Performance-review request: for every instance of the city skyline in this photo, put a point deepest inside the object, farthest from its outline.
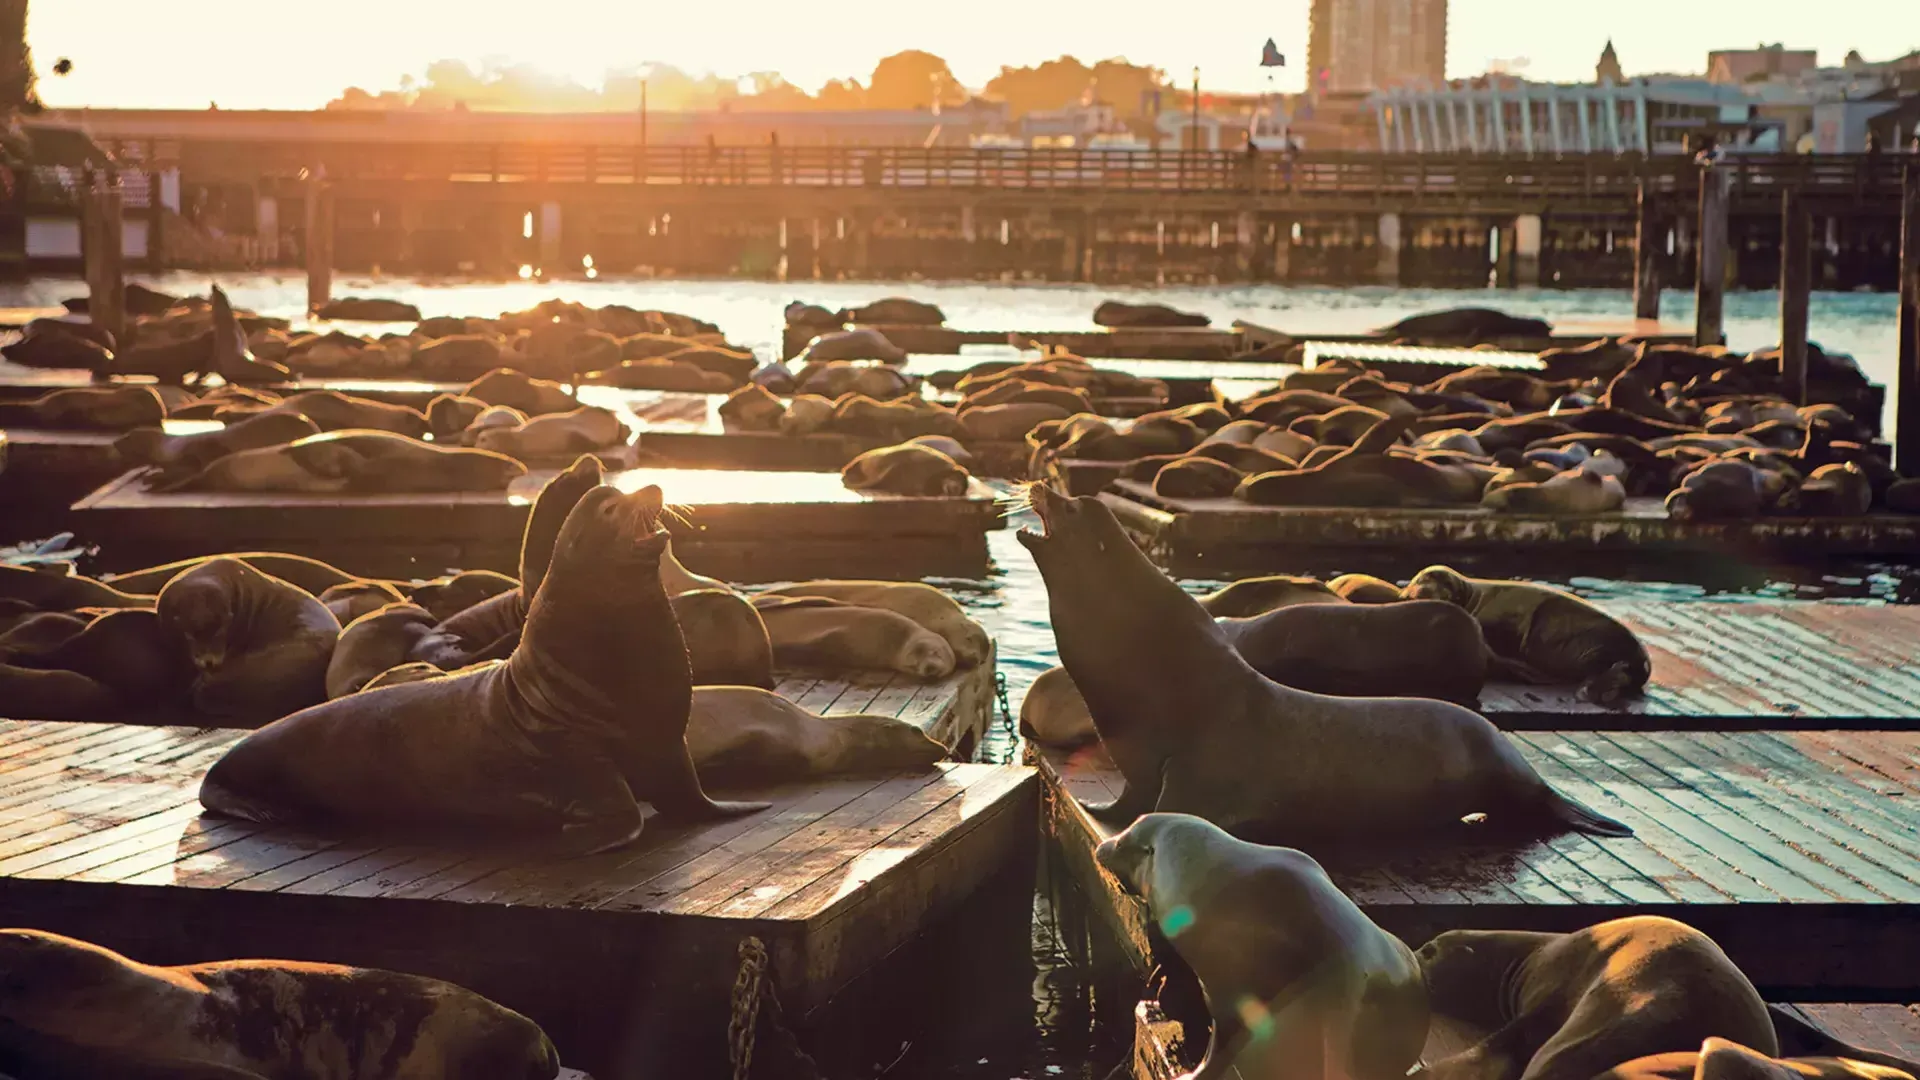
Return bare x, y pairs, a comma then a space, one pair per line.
235, 53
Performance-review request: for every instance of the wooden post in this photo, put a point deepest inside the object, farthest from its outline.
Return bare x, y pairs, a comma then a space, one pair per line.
1528, 236
1244, 238
319, 244
1387, 272
1906, 373
1710, 285
103, 253
1646, 259
1283, 249
1796, 282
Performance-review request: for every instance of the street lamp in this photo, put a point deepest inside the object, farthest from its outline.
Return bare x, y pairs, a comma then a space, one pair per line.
1196, 107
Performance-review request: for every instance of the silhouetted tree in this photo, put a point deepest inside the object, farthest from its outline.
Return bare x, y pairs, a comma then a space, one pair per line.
16, 61
913, 80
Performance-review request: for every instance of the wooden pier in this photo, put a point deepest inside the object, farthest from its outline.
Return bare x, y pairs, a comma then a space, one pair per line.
101, 837
743, 526
1797, 851
1746, 666
1201, 537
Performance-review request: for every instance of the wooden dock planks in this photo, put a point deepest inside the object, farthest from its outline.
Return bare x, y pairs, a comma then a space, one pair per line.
1798, 851
101, 836
742, 526
1735, 666
1201, 536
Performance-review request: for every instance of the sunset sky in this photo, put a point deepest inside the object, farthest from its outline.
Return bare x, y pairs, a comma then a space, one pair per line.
282, 54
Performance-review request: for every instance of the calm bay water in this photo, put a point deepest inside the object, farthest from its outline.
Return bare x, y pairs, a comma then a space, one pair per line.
1062, 1030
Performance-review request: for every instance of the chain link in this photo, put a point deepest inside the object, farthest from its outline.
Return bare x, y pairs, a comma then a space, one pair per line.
748, 986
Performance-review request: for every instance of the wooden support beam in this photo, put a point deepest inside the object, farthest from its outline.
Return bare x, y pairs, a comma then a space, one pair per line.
1283, 249
1646, 259
1796, 283
1906, 375
319, 243
1710, 287
102, 251
1388, 248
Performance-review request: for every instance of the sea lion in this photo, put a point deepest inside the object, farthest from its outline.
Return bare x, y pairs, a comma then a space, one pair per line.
666, 375
87, 408
354, 599
1365, 589
40, 631
260, 645
1721, 1059
449, 414
334, 411
924, 604
1436, 650
1832, 491
1258, 595
448, 596
410, 672
1903, 496
1365, 475
582, 430
50, 343
311, 575
320, 469
1116, 313
735, 365
518, 390
232, 360
128, 651
727, 641
1194, 729
816, 633
1575, 491
1196, 478
1567, 1006
949, 446
752, 408
1720, 489
906, 469
33, 694
54, 590
1245, 459
897, 311
491, 418
744, 735
187, 454
807, 414
1053, 712
71, 1008
1467, 324
587, 716
368, 309
1298, 981
1543, 635
1008, 422
378, 641
854, 345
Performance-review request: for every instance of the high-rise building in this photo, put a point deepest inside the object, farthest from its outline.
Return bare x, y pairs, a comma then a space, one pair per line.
1358, 46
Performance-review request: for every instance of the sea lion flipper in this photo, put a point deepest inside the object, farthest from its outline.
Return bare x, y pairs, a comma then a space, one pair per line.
1580, 819
1609, 687
1509, 669
674, 789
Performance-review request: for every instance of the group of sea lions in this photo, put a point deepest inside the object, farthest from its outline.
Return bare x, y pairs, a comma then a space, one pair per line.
243, 640
1297, 981
1450, 635
1710, 431
166, 337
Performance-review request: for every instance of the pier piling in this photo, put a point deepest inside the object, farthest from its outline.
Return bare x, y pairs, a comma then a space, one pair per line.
1646, 259
319, 243
101, 250
1796, 282
1527, 230
1389, 267
1710, 287
1906, 375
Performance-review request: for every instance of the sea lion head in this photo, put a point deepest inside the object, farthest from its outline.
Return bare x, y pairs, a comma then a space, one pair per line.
474, 1037
882, 744
202, 607
623, 529
326, 456
1477, 972
1441, 583
1131, 854
926, 656
1070, 529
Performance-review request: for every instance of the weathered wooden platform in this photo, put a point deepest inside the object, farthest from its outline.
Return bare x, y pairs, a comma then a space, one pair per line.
1746, 666
618, 955
1201, 536
1162, 1051
742, 526
1799, 852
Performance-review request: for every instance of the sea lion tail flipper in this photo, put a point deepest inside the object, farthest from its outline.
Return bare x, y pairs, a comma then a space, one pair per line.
677, 792
1580, 819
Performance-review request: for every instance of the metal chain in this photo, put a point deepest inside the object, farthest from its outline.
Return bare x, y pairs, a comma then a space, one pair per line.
747, 989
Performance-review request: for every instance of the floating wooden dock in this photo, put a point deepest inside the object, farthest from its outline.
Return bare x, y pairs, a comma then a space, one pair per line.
1198, 537
1799, 852
101, 837
744, 526
1746, 666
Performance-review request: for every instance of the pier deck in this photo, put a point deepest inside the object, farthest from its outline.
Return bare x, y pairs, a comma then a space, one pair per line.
1799, 852
1197, 537
745, 526
1746, 666
101, 837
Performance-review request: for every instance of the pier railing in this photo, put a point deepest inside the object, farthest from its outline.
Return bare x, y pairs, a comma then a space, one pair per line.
1390, 178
